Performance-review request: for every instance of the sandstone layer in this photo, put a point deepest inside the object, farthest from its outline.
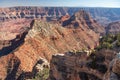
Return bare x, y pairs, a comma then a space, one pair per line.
42, 39
102, 15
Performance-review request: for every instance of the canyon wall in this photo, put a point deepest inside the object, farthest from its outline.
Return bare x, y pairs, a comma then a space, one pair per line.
102, 15
80, 66
42, 40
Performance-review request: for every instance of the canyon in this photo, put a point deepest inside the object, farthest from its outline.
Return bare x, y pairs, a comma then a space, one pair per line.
42, 39
56, 36
102, 15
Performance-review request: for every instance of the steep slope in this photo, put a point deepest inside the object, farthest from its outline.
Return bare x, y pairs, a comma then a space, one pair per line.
80, 66
12, 33
113, 72
45, 39
113, 28
83, 20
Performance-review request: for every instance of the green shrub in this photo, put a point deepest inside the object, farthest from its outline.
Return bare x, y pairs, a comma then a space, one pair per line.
118, 37
105, 45
42, 75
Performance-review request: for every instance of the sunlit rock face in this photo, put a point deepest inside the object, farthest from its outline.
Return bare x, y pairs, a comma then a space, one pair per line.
83, 20
43, 39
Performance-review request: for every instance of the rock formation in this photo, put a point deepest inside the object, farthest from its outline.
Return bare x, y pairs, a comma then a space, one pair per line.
12, 34
83, 20
102, 15
42, 40
79, 66
113, 28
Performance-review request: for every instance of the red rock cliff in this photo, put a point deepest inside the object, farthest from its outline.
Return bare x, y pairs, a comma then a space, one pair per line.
45, 39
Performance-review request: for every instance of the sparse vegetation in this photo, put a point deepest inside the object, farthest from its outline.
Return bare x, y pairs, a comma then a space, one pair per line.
109, 41
42, 75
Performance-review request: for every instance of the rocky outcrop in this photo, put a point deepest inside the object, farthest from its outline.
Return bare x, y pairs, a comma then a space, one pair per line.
113, 28
12, 31
83, 20
38, 69
46, 39
116, 67
9, 67
113, 72
79, 66
11, 40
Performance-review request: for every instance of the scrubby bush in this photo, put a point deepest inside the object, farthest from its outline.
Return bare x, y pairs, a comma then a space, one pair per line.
42, 75
118, 37
109, 41
106, 45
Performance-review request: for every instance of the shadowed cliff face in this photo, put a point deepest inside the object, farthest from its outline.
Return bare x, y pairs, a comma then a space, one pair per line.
12, 34
15, 43
46, 38
80, 66
9, 67
12, 69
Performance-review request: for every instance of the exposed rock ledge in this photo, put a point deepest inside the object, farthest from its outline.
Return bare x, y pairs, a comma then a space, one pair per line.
79, 66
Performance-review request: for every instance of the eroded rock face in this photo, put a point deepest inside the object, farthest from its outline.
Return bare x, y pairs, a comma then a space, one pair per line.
12, 35
44, 13
11, 30
53, 13
79, 66
113, 28
9, 67
83, 20
116, 67
113, 72
38, 68
46, 38
41, 64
